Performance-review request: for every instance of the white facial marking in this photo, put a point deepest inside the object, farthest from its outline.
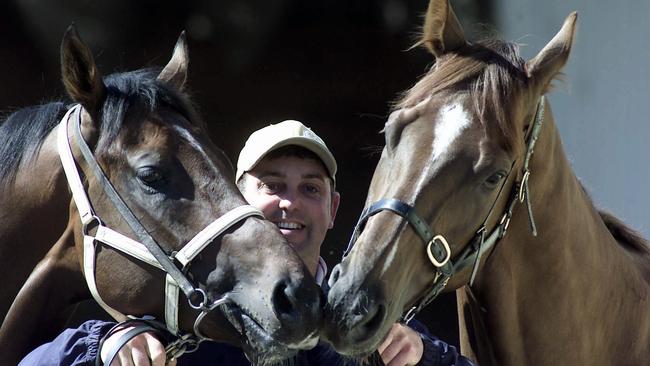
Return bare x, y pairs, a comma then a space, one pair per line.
195, 144
452, 121
390, 258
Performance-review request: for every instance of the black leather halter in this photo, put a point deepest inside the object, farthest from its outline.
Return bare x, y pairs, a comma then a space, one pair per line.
437, 247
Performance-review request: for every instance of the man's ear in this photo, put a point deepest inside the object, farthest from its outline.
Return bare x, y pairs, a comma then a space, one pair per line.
334, 207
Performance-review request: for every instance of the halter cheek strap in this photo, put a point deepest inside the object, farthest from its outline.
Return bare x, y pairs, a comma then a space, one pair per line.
146, 250
437, 247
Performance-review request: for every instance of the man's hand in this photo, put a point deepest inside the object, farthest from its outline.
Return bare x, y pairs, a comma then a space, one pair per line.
402, 346
142, 350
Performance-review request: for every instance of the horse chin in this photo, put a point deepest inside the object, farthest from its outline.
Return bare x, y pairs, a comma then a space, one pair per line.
357, 343
355, 351
258, 345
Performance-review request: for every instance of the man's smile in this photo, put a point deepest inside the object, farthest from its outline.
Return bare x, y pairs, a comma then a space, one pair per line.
289, 225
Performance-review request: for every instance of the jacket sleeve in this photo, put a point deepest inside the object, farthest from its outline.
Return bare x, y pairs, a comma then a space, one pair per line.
437, 352
74, 347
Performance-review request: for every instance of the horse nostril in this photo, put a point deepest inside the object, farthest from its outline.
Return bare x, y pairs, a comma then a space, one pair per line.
336, 272
284, 301
371, 321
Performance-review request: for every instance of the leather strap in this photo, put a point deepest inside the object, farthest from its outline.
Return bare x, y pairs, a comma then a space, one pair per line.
480, 243
123, 340
146, 250
127, 215
140, 325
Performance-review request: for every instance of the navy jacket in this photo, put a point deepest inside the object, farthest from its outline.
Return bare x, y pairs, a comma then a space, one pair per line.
79, 347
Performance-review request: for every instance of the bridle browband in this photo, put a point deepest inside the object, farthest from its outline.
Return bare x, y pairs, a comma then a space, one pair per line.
437, 248
146, 249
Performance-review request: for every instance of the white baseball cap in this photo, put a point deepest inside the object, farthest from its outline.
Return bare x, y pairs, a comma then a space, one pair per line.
272, 137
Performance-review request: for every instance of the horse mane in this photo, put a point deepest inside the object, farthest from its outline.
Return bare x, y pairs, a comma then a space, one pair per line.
22, 133
628, 238
491, 71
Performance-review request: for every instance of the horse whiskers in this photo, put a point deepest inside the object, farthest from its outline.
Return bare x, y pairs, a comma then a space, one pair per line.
371, 150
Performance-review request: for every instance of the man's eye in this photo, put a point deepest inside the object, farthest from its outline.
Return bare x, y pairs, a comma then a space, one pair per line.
312, 189
271, 187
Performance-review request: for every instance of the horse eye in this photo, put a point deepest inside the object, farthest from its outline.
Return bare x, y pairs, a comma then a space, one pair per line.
494, 179
151, 176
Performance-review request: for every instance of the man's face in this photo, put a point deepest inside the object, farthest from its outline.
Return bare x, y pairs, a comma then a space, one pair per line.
295, 194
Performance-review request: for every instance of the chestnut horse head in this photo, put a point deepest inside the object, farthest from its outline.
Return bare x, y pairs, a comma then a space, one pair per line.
458, 197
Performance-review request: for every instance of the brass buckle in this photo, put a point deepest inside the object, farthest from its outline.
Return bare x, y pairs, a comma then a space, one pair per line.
445, 245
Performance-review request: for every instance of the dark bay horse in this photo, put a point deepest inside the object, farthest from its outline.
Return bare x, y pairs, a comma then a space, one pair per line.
148, 174
458, 198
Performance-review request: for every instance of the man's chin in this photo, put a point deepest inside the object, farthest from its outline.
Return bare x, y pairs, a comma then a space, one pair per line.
296, 238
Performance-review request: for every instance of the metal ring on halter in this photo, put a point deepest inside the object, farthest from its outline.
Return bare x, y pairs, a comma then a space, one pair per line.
504, 223
409, 315
86, 224
181, 346
197, 322
204, 299
524, 181
445, 245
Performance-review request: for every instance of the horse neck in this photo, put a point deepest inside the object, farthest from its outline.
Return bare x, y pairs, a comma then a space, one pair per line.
41, 179
38, 200
542, 294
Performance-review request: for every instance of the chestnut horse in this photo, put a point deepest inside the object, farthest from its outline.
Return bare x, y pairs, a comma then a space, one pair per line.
458, 198
145, 179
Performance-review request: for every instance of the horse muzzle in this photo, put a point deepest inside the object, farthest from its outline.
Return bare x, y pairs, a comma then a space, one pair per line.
354, 315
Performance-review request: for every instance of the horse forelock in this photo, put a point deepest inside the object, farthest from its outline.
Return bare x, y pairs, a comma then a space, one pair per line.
139, 93
491, 72
22, 132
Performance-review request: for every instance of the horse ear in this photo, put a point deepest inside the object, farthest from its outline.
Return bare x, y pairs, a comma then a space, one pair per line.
175, 73
550, 60
79, 72
442, 31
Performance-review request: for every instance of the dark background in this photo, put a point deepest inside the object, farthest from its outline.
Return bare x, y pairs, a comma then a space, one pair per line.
334, 65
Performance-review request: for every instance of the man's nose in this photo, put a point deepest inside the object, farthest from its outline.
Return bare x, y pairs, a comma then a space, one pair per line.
289, 202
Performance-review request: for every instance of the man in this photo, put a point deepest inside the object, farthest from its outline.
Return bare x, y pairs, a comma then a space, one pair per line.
287, 172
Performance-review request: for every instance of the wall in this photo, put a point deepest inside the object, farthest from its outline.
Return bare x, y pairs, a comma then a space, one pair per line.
601, 107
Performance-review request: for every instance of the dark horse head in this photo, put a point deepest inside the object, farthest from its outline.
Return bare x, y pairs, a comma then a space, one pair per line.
155, 152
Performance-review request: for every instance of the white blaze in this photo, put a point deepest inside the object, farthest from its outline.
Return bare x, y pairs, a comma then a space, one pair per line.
452, 120
451, 123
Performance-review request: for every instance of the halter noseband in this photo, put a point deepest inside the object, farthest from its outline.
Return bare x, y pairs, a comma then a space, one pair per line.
437, 248
146, 249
